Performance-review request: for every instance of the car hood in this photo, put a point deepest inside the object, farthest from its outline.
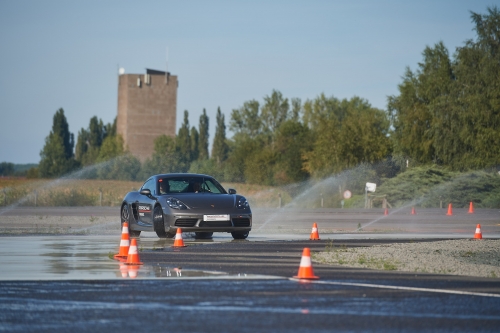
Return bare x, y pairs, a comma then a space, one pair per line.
206, 200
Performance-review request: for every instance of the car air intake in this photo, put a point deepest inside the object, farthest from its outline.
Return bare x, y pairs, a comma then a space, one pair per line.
185, 222
241, 222
216, 224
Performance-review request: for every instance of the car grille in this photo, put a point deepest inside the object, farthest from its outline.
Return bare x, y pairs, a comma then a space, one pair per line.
185, 222
216, 224
241, 222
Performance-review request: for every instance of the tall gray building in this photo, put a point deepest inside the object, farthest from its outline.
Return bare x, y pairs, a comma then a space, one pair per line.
147, 108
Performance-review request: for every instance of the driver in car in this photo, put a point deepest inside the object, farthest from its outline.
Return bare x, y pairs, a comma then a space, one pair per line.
196, 187
164, 188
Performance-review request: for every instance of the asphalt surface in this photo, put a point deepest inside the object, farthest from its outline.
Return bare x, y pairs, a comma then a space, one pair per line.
248, 285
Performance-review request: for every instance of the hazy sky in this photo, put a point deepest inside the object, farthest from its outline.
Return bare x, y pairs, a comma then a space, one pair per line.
67, 54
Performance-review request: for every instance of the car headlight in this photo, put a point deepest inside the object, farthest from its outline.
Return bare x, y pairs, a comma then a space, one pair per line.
176, 203
242, 203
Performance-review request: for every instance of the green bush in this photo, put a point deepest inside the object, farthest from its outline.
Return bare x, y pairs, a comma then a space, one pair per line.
426, 186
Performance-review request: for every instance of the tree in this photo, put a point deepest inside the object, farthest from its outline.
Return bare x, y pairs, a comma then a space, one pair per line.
195, 137
220, 147
293, 139
246, 120
165, 158
53, 161
448, 112
90, 140
82, 145
115, 162
476, 99
348, 133
274, 111
57, 154
112, 147
60, 127
6, 169
183, 142
422, 110
320, 109
203, 136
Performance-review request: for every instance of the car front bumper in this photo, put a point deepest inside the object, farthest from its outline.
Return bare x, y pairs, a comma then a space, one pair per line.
190, 222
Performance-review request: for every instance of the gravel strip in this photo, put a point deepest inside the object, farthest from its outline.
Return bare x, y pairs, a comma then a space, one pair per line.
456, 257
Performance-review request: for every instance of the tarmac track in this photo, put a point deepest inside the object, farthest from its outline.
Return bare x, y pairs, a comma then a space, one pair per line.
266, 300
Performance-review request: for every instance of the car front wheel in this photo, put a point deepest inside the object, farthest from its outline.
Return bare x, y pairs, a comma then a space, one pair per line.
240, 234
159, 224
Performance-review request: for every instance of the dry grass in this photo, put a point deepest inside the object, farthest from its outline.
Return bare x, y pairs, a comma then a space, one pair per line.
68, 192
77, 192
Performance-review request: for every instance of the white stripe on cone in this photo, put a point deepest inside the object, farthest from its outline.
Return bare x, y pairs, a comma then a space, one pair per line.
124, 242
315, 230
178, 236
305, 261
478, 230
132, 250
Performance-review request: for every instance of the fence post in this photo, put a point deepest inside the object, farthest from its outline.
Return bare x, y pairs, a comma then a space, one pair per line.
279, 200
36, 197
100, 197
4, 196
321, 200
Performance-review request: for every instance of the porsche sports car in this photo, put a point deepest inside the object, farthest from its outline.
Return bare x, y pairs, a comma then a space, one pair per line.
193, 202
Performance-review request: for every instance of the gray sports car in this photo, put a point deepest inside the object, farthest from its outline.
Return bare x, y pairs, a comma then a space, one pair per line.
196, 203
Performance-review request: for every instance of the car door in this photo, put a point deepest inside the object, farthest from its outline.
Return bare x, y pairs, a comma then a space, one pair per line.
145, 203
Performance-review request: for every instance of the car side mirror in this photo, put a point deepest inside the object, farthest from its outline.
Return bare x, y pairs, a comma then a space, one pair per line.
231, 191
145, 192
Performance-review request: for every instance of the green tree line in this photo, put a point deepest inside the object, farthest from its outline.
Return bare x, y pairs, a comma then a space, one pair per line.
447, 112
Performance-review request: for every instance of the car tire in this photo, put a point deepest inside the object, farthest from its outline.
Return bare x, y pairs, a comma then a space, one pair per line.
125, 217
159, 223
240, 234
203, 235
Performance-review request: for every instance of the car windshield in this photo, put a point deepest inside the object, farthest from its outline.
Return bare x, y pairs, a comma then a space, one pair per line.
196, 184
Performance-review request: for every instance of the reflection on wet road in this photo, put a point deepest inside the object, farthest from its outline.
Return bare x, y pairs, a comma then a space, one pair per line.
81, 258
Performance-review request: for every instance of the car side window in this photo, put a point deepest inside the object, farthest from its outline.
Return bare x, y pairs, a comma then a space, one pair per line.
150, 185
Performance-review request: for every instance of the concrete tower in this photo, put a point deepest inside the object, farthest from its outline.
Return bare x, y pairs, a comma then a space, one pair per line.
147, 108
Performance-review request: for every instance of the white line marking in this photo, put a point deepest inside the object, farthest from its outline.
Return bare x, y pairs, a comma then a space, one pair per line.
381, 286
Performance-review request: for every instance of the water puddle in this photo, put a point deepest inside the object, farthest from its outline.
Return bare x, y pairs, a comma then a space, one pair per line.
89, 257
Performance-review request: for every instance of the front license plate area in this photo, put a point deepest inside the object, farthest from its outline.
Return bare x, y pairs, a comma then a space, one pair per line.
216, 217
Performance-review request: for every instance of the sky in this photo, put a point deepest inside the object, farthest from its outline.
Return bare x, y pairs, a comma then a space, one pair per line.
66, 54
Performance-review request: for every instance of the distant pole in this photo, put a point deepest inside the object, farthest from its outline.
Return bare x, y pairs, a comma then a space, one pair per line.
36, 195
321, 200
100, 197
366, 197
279, 200
166, 68
4, 197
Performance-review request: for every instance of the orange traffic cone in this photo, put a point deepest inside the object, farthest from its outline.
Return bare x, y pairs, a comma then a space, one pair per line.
478, 234
305, 268
386, 211
124, 243
413, 211
471, 208
178, 239
450, 210
314, 232
133, 255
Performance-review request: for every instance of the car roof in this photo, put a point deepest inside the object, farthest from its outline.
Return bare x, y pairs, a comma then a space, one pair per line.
166, 175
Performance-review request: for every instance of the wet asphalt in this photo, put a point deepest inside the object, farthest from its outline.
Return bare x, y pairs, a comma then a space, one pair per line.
229, 286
